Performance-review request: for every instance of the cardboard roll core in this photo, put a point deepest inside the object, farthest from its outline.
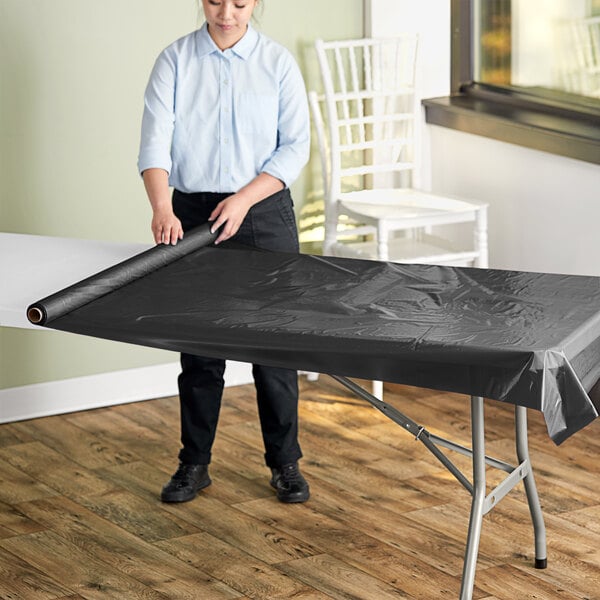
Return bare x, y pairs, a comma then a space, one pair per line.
35, 315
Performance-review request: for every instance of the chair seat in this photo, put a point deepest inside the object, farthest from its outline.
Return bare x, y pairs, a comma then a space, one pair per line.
427, 250
406, 208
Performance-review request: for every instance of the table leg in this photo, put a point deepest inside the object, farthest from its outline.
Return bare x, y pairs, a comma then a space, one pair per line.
481, 503
479, 494
533, 500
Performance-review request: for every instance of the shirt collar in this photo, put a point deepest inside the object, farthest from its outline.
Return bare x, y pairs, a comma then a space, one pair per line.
243, 48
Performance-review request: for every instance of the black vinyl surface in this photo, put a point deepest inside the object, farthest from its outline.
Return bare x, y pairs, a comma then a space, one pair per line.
529, 339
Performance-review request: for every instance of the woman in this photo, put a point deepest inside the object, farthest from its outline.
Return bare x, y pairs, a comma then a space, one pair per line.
226, 125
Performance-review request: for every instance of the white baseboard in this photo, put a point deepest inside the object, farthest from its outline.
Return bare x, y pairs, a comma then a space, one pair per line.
105, 389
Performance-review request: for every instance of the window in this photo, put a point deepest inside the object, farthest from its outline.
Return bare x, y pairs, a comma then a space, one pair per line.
553, 44
526, 72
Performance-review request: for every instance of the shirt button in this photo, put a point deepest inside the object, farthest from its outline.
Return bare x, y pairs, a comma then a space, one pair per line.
226, 169
225, 81
226, 140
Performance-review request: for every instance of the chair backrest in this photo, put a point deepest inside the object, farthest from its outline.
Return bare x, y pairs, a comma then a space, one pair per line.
315, 102
579, 56
586, 35
370, 107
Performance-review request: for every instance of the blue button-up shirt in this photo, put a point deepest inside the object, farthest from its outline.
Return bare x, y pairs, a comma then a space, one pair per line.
216, 119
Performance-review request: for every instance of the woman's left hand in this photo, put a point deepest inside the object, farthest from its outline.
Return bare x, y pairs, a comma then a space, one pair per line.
231, 211
230, 214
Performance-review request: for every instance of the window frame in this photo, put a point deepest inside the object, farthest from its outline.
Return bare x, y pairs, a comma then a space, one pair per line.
549, 120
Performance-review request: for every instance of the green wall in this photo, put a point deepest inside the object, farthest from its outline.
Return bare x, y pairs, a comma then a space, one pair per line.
72, 76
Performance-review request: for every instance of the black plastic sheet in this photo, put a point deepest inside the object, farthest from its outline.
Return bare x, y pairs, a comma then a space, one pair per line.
530, 339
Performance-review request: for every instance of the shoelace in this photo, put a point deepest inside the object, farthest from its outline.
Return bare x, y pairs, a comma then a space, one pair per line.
182, 472
290, 474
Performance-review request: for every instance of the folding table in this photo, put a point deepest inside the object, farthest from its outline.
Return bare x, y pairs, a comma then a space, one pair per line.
528, 339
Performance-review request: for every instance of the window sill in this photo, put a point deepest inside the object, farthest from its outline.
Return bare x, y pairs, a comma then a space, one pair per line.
535, 118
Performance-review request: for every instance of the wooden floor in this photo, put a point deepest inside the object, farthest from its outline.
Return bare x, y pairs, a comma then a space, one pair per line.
80, 515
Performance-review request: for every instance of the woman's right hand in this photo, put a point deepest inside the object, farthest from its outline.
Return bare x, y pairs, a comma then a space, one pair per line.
166, 227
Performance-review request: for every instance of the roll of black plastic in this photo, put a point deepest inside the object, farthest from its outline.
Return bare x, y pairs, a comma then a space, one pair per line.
56, 305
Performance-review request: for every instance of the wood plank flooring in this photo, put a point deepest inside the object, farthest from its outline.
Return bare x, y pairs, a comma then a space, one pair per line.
80, 515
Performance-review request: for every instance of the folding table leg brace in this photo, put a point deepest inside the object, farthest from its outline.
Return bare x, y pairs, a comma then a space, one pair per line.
482, 503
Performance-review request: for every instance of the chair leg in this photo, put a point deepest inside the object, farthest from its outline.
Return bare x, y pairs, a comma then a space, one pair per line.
481, 238
378, 389
311, 376
382, 241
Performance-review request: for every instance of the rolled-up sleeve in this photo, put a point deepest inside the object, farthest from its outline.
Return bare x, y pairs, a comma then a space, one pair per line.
293, 128
159, 116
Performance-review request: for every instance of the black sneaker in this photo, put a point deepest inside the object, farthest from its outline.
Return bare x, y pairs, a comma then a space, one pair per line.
187, 481
290, 484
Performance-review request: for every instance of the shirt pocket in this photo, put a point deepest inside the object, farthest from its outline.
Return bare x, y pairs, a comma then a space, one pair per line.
257, 113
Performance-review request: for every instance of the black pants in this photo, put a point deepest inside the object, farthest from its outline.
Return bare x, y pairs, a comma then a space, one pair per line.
269, 225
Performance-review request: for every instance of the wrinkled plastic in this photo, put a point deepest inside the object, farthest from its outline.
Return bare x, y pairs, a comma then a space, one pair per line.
529, 339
